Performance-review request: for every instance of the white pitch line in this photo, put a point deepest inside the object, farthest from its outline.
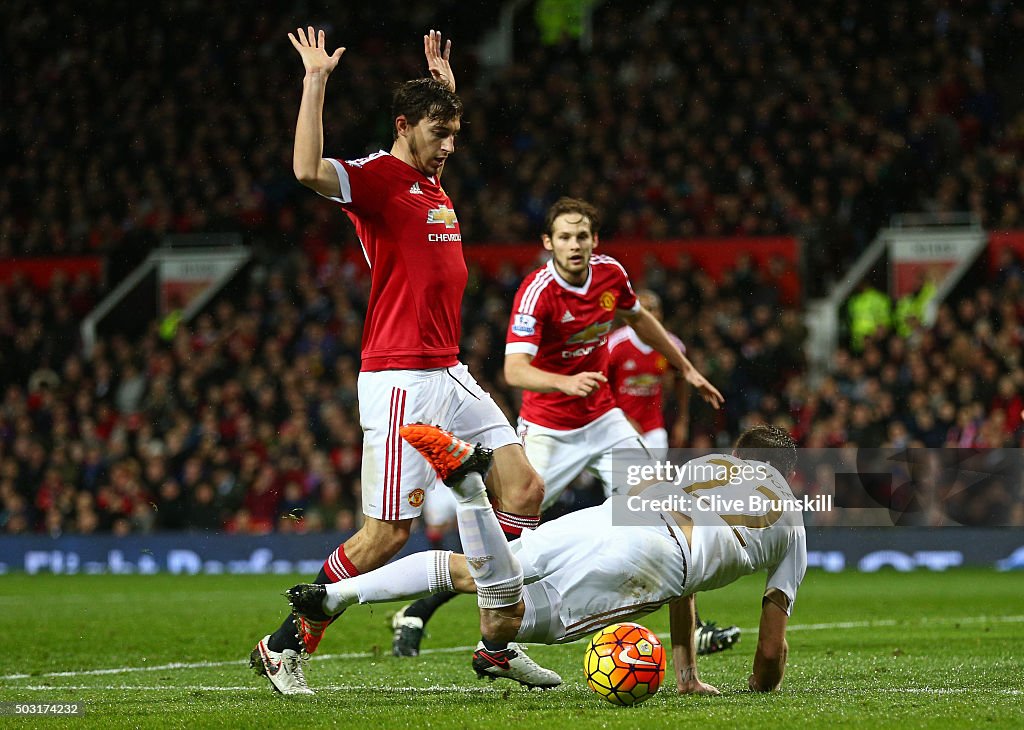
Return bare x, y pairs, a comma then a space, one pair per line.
207, 665
251, 688
476, 690
880, 623
892, 622
945, 690
841, 625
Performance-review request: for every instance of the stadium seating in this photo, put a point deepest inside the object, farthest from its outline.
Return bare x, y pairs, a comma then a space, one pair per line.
246, 418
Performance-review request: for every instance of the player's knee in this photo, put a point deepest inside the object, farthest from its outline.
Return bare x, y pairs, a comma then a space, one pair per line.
394, 539
535, 493
386, 538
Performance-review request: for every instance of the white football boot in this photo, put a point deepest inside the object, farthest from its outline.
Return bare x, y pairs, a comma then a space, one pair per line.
512, 663
282, 668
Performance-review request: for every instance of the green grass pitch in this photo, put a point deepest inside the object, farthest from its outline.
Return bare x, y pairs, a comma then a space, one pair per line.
910, 650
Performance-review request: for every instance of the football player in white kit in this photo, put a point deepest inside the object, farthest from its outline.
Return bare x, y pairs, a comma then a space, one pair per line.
587, 570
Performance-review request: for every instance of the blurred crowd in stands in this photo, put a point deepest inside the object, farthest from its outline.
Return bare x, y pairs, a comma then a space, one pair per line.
681, 120
246, 419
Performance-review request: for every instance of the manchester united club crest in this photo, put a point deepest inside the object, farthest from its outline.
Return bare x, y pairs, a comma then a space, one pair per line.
416, 497
607, 301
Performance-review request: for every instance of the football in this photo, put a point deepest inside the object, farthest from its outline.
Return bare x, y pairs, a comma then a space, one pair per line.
624, 663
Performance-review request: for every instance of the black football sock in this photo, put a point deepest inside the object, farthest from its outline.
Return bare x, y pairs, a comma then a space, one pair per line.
494, 645
424, 607
286, 636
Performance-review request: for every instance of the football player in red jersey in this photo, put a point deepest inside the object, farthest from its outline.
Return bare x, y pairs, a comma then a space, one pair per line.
557, 351
637, 374
410, 372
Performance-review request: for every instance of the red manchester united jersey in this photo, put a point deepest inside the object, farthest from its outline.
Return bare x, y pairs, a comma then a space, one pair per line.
566, 329
412, 242
634, 373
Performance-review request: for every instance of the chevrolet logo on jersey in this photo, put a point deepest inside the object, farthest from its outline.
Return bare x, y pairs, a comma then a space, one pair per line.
444, 214
642, 381
594, 333
640, 386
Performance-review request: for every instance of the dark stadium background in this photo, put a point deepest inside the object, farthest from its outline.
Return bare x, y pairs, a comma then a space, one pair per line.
702, 132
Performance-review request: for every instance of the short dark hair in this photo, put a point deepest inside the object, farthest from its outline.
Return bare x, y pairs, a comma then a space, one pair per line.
424, 98
563, 206
769, 444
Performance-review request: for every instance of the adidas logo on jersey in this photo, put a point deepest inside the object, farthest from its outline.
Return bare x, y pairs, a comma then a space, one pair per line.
567, 317
415, 189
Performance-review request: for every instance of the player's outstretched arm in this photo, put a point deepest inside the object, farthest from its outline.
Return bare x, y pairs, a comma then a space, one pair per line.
651, 331
437, 60
519, 373
307, 157
683, 622
772, 649
707, 391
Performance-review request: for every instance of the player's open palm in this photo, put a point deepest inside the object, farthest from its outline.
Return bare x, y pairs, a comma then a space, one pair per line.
437, 61
313, 49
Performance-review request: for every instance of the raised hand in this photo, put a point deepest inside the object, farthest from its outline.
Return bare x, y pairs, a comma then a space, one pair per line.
312, 47
437, 62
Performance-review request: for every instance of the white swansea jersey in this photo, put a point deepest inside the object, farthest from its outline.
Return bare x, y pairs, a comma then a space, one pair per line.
745, 519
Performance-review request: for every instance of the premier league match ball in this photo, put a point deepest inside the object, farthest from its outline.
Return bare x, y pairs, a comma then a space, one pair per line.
625, 664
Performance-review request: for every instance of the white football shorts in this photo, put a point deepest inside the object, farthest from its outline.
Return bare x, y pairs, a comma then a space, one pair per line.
439, 507
395, 477
584, 573
657, 443
561, 456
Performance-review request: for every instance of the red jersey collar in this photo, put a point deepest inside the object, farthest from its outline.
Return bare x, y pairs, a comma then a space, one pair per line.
566, 285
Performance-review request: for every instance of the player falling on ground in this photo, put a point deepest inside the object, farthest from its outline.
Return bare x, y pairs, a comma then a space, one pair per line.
411, 239
581, 572
556, 350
